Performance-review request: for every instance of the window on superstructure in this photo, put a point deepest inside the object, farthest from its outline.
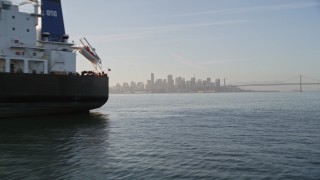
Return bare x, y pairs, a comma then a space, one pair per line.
13, 29
13, 17
6, 6
28, 30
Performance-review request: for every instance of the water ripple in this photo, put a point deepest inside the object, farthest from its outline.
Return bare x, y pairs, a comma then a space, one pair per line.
199, 136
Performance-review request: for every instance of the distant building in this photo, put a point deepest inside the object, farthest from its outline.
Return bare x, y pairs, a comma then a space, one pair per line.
149, 86
152, 79
199, 85
209, 85
159, 86
170, 84
140, 86
152, 85
133, 86
188, 86
180, 84
217, 85
193, 84
118, 88
125, 87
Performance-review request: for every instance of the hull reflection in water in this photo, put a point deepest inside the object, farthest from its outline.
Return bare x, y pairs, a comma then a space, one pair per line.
51, 147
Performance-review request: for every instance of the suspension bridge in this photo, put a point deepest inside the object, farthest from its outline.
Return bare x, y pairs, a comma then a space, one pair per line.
300, 81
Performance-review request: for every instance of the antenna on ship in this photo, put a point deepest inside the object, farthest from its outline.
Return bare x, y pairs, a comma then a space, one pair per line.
90, 53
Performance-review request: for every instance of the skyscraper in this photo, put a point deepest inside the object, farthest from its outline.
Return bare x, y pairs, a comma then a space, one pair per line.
152, 79
152, 83
217, 83
170, 83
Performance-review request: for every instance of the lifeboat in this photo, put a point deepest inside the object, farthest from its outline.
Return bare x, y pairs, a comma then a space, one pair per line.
89, 53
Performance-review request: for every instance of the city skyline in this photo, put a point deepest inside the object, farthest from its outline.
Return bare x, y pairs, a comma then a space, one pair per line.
174, 85
247, 39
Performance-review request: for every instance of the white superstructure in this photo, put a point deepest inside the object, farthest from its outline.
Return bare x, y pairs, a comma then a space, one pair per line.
24, 49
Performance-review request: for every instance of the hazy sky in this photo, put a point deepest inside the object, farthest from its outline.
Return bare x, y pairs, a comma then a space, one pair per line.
242, 40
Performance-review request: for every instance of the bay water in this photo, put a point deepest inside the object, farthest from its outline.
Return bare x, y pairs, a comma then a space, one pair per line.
170, 136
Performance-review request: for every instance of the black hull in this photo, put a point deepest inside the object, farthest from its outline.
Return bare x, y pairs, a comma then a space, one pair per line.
36, 94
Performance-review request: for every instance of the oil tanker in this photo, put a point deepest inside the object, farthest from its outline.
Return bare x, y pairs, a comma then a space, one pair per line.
38, 64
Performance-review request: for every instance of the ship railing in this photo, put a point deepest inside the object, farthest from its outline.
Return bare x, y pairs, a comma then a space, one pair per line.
83, 73
92, 73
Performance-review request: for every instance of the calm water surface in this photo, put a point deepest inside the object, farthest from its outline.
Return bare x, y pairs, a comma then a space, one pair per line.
170, 136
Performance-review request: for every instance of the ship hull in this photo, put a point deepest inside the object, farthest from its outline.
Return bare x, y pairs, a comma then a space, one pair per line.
42, 94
